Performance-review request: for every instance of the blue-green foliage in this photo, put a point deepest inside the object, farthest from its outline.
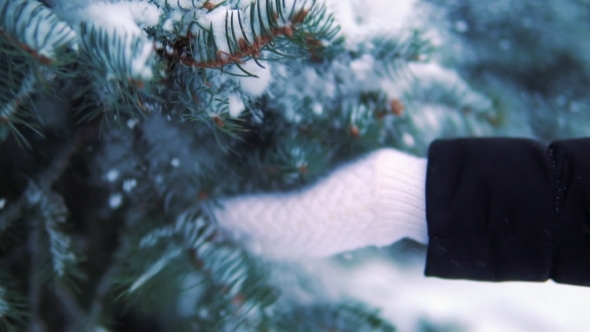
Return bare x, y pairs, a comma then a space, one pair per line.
133, 148
529, 56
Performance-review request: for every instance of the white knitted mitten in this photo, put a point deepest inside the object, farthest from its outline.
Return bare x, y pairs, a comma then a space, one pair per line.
376, 200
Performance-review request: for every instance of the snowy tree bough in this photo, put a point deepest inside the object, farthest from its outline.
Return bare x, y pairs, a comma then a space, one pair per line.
144, 118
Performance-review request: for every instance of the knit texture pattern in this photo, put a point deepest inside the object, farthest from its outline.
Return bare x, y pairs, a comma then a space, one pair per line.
374, 201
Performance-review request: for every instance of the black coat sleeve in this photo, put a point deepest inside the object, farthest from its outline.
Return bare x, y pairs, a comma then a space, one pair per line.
509, 209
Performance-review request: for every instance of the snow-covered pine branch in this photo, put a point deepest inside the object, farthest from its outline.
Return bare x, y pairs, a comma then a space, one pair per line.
36, 29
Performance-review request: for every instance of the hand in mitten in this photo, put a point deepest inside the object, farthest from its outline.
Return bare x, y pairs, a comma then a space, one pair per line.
376, 200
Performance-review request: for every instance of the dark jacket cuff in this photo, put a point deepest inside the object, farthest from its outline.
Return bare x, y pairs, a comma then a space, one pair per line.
509, 209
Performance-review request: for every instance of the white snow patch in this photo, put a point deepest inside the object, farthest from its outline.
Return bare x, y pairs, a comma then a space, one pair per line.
131, 123
215, 20
127, 16
168, 25
2, 203
175, 162
255, 86
363, 66
360, 19
236, 106
405, 295
125, 19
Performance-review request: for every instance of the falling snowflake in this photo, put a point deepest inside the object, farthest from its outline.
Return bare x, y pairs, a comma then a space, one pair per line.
115, 200
408, 139
128, 185
132, 122
112, 175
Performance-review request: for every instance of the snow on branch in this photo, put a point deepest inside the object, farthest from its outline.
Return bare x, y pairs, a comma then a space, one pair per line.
120, 56
112, 34
214, 36
51, 212
35, 28
11, 101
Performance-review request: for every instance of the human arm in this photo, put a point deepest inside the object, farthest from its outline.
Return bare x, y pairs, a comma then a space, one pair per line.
375, 200
496, 209
509, 209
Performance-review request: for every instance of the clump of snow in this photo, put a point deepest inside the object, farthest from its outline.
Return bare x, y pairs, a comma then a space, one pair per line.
175, 162
236, 106
123, 16
216, 21
405, 296
37, 25
2, 203
125, 19
255, 86
131, 123
360, 19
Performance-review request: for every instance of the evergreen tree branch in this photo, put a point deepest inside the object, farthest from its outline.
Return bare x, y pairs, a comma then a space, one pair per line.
35, 29
44, 180
395, 52
126, 58
12, 305
333, 317
239, 35
54, 215
18, 81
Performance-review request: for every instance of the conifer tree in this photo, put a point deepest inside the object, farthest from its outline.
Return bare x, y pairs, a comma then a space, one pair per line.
122, 124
